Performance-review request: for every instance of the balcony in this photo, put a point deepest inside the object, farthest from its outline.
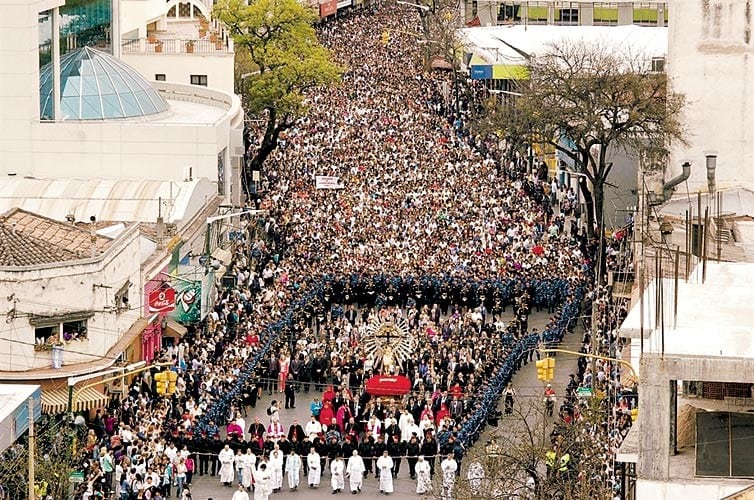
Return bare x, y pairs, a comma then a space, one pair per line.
160, 45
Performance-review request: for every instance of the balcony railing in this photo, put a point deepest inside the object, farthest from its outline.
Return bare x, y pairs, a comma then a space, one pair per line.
174, 46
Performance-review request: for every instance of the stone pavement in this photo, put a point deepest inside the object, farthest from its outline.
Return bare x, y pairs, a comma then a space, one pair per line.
525, 381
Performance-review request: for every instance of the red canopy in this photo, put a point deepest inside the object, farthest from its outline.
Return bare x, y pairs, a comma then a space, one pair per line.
388, 385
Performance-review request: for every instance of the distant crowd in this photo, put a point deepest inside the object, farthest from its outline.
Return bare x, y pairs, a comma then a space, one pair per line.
436, 228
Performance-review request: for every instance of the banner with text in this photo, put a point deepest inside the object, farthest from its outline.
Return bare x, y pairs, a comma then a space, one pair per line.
327, 182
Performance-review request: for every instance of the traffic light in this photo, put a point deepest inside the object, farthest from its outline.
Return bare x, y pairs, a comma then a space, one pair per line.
542, 369
550, 368
385, 37
161, 380
171, 378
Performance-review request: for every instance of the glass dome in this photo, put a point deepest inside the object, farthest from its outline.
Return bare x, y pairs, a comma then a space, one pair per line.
96, 86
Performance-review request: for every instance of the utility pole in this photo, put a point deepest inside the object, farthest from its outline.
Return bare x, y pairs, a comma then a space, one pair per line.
31, 449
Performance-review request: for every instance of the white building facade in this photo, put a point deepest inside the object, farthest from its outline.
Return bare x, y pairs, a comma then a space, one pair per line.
710, 51
73, 296
83, 113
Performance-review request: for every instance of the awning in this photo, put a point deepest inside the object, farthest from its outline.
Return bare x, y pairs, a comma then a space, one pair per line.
56, 400
222, 255
174, 330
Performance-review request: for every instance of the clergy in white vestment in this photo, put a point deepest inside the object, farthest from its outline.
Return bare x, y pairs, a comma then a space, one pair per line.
240, 494
226, 465
315, 473
355, 471
449, 468
276, 469
423, 476
293, 470
249, 464
337, 480
385, 466
262, 487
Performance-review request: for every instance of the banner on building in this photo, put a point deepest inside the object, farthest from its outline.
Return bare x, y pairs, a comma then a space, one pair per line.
187, 302
328, 8
327, 182
162, 300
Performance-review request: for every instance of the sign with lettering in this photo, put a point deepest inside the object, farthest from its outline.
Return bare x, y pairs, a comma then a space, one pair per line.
327, 182
162, 300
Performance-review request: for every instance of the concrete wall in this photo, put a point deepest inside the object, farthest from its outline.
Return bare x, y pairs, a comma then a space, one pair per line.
655, 401
122, 149
59, 289
178, 68
688, 490
19, 72
709, 60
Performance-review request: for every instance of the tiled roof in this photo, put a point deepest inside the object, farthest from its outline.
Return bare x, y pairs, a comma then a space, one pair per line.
28, 239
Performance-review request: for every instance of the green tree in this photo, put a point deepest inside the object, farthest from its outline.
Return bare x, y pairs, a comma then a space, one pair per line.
277, 38
600, 101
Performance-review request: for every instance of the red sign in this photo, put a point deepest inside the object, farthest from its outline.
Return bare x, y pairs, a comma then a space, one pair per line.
162, 300
388, 385
328, 8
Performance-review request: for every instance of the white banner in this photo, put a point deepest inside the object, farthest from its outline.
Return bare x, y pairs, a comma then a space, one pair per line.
343, 4
327, 182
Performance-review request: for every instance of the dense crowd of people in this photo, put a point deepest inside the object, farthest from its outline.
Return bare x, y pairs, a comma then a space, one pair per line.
435, 226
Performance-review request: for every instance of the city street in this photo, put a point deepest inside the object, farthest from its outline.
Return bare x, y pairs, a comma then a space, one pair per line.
525, 382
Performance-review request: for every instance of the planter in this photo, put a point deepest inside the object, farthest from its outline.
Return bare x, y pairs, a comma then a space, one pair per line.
158, 47
219, 45
189, 47
213, 37
202, 33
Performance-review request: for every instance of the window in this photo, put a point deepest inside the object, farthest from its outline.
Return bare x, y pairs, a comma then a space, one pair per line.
605, 14
121, 297
722, 444
658, 64
537, 13
46, 334
199, 80
567, 15
74, 330
159, 77
509, 13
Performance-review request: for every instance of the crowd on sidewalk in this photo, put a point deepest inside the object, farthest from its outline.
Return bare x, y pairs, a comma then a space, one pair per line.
435, 227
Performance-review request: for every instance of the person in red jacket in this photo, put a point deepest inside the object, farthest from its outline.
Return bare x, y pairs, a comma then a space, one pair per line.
326, 414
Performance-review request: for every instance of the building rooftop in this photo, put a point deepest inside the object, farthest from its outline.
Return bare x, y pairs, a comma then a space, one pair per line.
512, 43
713, 317
96, 86
28, 239
124, 200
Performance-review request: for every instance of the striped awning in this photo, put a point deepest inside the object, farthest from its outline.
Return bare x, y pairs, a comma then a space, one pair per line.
56, 400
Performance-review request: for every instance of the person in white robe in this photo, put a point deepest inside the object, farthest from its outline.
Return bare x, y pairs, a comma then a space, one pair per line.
293, 470
355, 472
262, 486
475, 474
276, 469
385, 466
423, 476
315, 473
249, 464
337, 469
448, 468
226, 465
240, 494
